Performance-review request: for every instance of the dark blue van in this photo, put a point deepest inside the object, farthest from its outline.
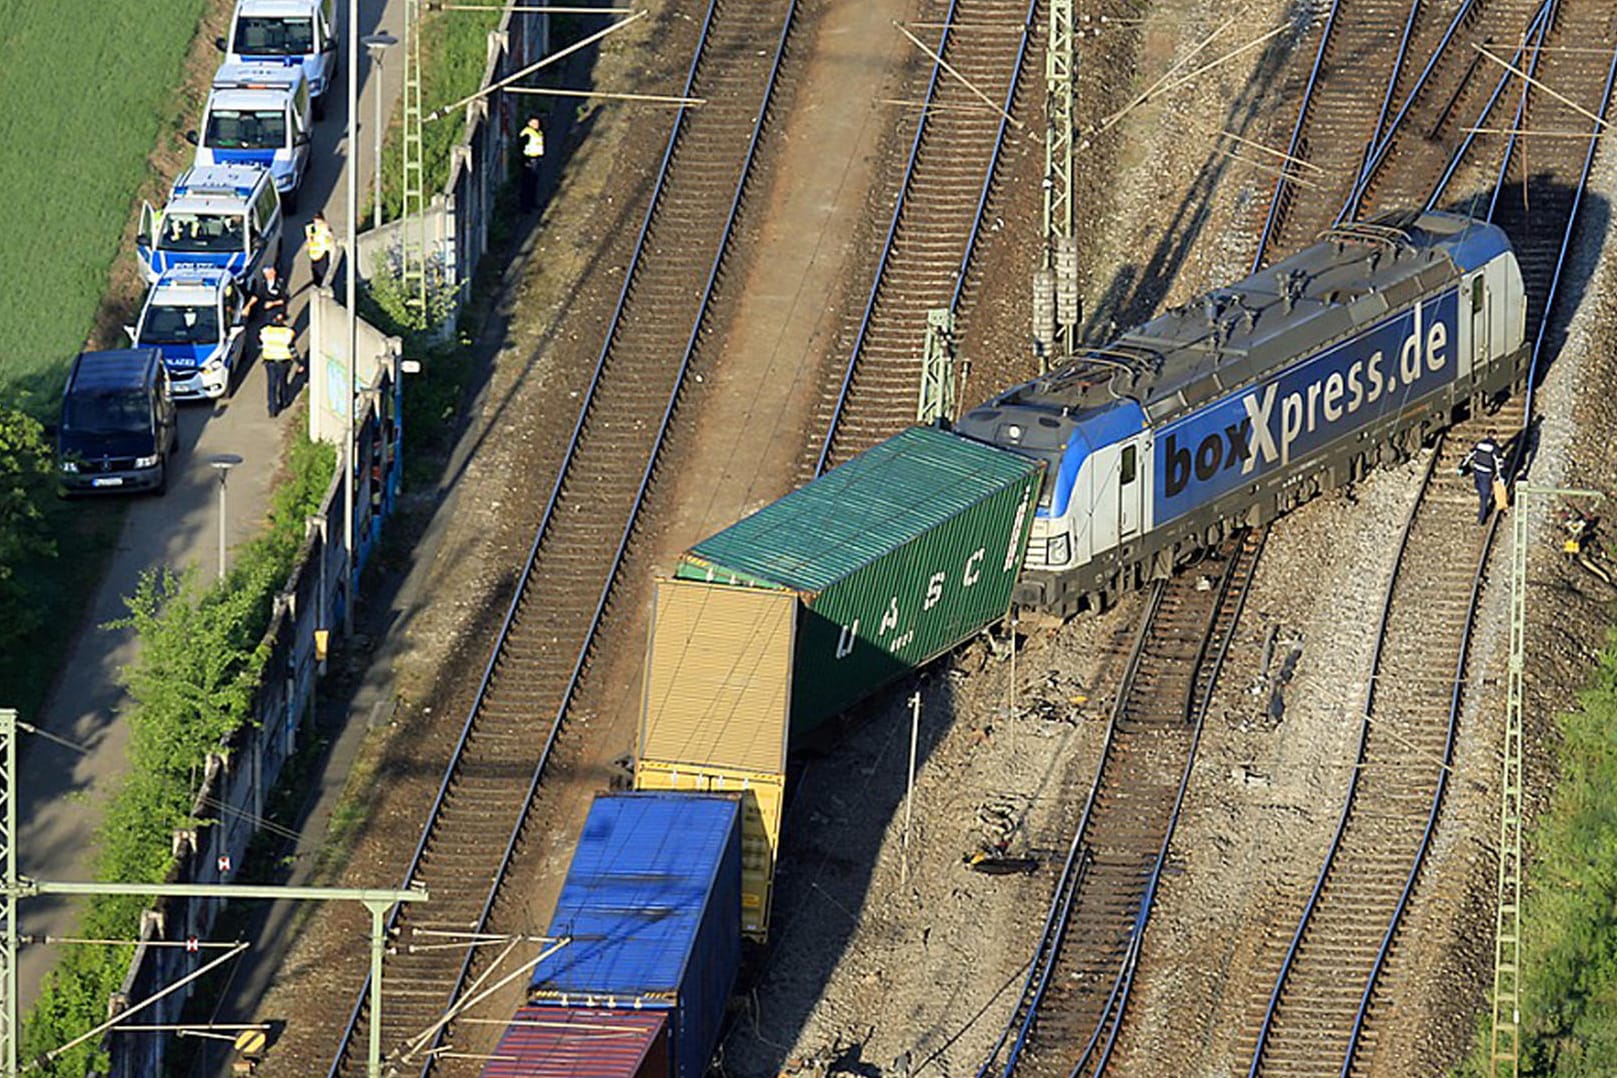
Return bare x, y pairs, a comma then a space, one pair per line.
118, 426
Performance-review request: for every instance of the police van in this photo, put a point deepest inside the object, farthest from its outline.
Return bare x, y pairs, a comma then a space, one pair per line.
224, 217
193, 316
289, 33
258, 114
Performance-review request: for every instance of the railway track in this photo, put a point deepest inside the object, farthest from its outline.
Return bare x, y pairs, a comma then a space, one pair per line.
1333, 125
948, 181
544, 647
1338, 978
1073, 1000
1317, 1009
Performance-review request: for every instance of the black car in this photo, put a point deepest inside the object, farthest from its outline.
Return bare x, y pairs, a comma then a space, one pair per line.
118, 427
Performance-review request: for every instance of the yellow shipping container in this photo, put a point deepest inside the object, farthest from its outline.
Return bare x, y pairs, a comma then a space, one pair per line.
718, 677
761, 798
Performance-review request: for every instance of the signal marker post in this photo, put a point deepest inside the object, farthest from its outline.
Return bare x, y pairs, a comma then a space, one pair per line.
378, 901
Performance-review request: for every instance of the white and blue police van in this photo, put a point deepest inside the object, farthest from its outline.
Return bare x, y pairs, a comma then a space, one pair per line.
258, 114
288, 33
224, 217
193, 316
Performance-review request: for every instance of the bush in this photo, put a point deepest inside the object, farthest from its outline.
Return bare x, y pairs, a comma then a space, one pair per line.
27, 483
201, 658
1569, 916
389, 306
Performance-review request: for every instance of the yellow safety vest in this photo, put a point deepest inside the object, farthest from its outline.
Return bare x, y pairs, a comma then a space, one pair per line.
320, 240
275, 343
533, 142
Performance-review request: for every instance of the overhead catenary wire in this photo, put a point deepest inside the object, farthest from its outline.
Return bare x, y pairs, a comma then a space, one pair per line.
1163, 85
1531, 81
118, 1019
967, 83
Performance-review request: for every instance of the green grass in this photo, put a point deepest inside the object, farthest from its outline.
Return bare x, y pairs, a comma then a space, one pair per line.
1569, 930
85, 99
454, 52
85, 533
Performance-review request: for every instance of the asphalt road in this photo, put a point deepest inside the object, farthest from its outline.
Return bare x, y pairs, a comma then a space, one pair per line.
63, 790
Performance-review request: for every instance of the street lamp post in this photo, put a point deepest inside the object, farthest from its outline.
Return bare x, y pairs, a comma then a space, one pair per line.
222, 463
376, 44
351, 269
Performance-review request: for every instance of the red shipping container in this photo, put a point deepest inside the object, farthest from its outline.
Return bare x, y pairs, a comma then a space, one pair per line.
582, 1042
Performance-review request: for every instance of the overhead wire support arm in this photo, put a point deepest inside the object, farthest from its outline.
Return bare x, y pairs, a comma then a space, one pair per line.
582, 43
653, 99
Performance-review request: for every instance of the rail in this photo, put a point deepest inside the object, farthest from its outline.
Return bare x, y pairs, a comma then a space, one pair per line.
1198, 698
905, 188
555, 496
1361, 1015
1056, 921
1318, 891
1185, 713
1379, 150
1277, 201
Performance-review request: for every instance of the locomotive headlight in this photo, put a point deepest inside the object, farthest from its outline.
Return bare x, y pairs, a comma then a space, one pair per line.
1059, 550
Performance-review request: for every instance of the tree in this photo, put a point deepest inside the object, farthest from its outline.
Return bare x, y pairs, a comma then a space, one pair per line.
26, 481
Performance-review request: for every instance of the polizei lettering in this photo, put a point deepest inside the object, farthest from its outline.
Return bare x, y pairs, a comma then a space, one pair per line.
1301, 409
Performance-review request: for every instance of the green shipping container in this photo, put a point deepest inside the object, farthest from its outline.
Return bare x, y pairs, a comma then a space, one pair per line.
895, 557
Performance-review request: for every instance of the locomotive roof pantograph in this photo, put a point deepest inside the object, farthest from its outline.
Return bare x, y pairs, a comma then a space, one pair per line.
1236, 334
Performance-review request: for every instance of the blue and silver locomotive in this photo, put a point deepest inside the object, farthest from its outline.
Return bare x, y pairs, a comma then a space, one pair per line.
1240, 405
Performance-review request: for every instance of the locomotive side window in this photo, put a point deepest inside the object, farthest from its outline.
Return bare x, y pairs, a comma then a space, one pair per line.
1127, 466
1476, 295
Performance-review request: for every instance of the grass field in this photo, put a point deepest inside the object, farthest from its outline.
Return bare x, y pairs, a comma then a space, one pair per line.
85, 88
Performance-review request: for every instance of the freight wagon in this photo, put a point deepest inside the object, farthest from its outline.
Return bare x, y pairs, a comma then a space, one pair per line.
718, 681
582, 1042
651, 912
893, 558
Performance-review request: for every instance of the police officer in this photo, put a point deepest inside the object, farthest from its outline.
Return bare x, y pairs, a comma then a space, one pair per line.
268, 297
319, 242
1486, 465
532, 137
277, 349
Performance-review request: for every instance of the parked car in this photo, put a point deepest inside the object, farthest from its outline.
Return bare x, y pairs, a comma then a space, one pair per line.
225, 217
193, 316
118, 426
287, 32
258, 114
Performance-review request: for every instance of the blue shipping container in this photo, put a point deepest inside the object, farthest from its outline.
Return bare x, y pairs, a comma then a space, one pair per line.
652, 906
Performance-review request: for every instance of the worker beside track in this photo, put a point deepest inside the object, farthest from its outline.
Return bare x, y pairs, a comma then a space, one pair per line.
532, 137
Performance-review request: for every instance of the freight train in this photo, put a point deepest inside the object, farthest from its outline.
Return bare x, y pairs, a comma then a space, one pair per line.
1060, 493
1237, 407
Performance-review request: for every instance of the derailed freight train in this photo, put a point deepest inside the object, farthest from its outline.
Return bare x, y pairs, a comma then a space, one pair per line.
1233, 409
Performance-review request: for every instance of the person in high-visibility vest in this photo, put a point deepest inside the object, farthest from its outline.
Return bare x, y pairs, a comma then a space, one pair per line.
277, 348
532, 138
319, 241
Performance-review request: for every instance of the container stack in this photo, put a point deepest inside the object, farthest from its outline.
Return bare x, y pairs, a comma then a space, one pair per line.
718, 687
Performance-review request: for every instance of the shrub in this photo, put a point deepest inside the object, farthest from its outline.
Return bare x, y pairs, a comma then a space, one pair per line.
201, 657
